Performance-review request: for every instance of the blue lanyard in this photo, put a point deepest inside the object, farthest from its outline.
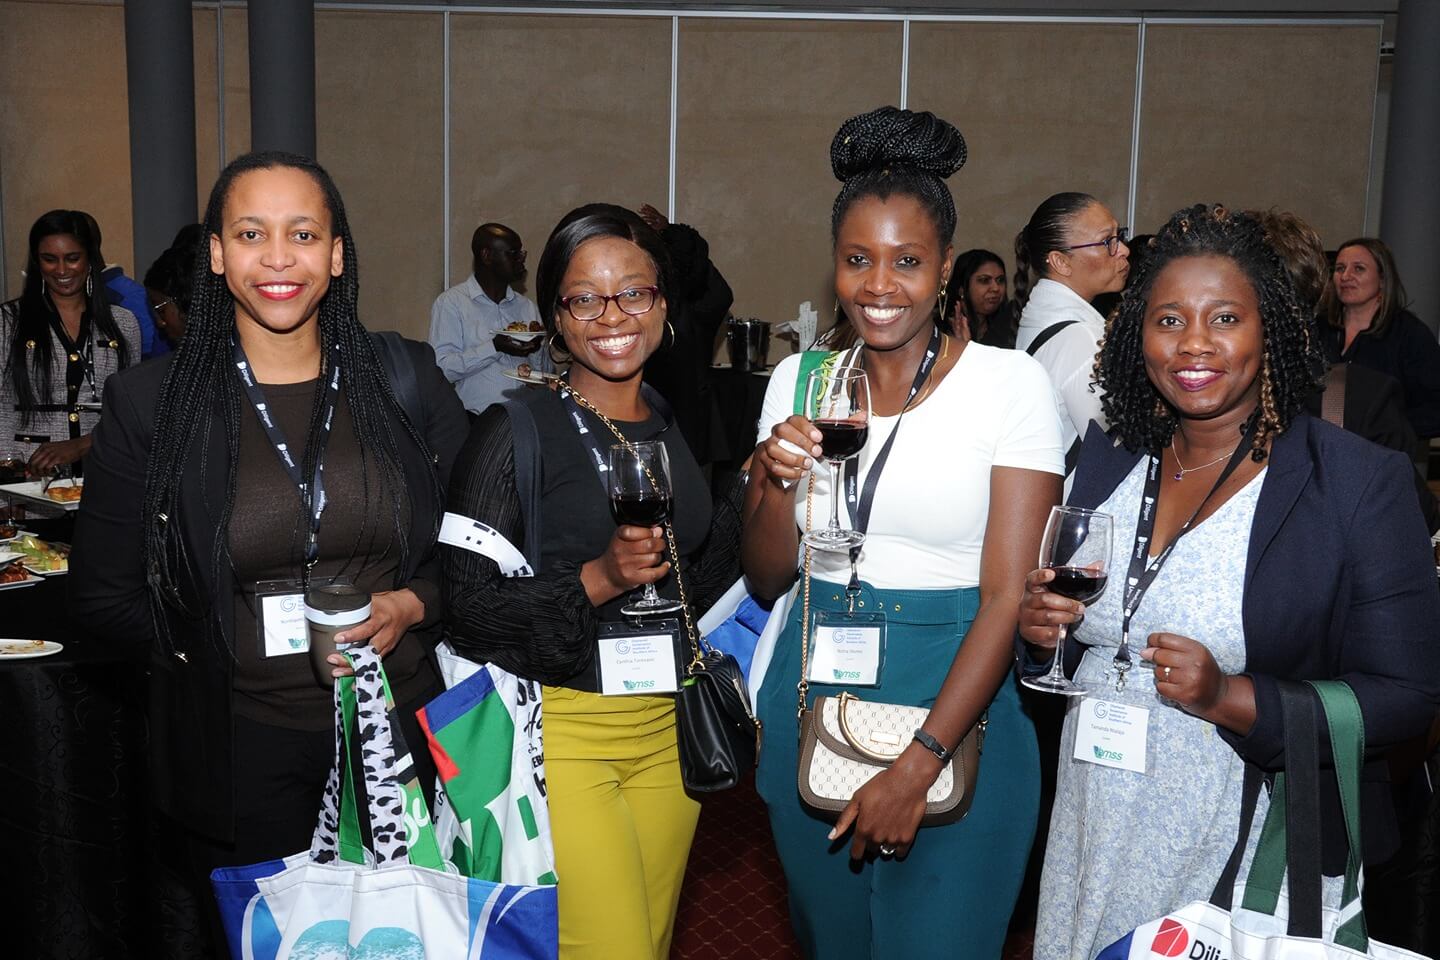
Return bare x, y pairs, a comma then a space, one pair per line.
315, 491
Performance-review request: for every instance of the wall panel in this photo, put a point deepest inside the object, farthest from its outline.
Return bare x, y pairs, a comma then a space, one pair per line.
547, 113
379, 89
208, 96
759, 102
64, 131
1259, 115
1044, 107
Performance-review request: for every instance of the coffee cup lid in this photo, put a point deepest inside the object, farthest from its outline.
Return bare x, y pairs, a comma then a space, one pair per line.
337, 604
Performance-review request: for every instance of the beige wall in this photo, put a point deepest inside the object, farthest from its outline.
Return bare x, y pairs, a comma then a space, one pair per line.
549, 111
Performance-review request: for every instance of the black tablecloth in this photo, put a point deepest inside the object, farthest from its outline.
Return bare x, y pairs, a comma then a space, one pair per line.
85, 864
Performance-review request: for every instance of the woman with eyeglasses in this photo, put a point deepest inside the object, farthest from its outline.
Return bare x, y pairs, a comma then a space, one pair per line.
1070, 252
168, 284
621, 820
62, 340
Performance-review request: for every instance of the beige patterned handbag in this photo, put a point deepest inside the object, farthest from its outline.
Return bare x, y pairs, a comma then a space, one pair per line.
845, 741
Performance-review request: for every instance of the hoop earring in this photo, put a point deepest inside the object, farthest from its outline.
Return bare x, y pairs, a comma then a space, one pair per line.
556, 347
671, 327
89, 285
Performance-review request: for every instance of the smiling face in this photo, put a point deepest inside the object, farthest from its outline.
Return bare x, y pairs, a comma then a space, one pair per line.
615, 346
1203, 339
1357, 277
986, 289
63, 265
1091, 270
276, 249
889, 269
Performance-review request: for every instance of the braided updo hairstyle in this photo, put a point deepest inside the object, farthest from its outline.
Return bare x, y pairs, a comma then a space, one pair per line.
889, 151
1292, 367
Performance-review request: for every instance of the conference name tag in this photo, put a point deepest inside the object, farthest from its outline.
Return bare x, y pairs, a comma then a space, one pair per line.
638, 660
1112, 734
280, 615
848, 649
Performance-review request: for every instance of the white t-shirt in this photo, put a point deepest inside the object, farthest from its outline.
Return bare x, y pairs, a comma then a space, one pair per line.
995, 408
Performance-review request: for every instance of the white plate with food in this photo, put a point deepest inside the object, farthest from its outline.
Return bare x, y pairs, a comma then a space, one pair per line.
9, 532
523, 332
16, 577
28, 649
525, 375
40, 557
64, 494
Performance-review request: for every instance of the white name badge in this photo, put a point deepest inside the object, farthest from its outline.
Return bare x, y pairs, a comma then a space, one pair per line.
636, 661
282, 624
848, 649
1112, 734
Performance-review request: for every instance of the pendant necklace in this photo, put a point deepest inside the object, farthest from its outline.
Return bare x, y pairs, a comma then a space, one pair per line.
1179, 474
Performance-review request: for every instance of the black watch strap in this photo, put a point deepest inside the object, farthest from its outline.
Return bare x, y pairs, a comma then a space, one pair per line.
934, 746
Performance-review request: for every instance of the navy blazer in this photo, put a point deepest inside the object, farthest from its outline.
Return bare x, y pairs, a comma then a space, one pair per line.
1339, 585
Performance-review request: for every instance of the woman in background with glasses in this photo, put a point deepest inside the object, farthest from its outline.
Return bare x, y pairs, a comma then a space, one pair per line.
1070, 252
621, 820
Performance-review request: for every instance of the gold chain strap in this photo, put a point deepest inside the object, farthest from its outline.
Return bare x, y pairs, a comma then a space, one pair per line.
690, 631
803, 687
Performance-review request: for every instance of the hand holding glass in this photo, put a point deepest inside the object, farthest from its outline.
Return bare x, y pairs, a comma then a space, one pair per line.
1076, 546
640, 495
838, 403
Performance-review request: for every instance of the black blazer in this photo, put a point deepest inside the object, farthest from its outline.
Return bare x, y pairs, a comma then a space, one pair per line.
190, 687
1339, 585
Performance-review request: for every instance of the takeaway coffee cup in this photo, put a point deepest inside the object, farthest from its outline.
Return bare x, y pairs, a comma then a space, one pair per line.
330, 610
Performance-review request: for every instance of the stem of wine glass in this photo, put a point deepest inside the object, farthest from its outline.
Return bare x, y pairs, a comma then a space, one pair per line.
835, 496
1057, 669
649, 595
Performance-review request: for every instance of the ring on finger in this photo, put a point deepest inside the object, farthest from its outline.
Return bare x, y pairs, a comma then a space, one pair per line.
1167, 674
886, 850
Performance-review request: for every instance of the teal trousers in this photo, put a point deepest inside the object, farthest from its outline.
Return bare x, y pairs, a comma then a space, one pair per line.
953, 895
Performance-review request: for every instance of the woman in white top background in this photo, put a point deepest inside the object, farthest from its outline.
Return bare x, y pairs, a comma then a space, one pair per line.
1070, 252
958, 511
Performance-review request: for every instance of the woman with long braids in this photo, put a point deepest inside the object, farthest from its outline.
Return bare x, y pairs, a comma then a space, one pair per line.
62, 340
872, 883
206, 506
1268, 545
621, 819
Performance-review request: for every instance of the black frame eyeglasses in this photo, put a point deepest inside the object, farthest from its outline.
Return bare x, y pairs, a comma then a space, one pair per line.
1110, 243
598, 303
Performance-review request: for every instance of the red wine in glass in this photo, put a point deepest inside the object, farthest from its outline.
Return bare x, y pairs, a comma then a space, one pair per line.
1078, 583
841, 439
639, 509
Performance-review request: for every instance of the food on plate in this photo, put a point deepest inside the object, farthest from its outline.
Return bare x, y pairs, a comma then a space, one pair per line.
8, 530
15, 647
66, 494
520, 326
524, 370
42, 557
14, 574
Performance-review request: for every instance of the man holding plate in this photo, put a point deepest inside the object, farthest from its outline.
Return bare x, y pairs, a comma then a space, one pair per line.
482, 328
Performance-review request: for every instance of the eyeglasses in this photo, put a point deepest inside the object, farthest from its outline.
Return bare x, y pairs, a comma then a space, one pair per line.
634, 301
1110, 243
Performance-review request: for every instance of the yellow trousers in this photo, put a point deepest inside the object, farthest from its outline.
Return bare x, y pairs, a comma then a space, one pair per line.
621, 820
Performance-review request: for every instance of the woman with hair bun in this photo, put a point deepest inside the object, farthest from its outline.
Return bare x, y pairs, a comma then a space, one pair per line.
1070, 252
1266, 546
872, 883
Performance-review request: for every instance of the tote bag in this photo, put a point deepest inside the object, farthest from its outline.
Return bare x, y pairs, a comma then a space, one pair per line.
1281, 916
393, 899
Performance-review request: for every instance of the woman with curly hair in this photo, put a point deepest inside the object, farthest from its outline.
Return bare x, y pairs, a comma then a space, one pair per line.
1270, 546
876, 884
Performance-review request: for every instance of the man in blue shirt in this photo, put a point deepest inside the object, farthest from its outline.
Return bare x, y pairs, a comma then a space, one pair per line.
482, 329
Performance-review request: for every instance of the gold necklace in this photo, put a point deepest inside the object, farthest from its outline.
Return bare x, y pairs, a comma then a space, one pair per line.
1180, 473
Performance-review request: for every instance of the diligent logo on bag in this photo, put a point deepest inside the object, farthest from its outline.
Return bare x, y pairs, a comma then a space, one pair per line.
1172, 938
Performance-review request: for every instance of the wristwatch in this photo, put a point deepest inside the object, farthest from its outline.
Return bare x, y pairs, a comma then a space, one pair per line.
934, 746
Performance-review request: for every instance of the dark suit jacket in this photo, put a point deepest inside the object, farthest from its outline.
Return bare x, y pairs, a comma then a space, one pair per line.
190, 686
1339, 585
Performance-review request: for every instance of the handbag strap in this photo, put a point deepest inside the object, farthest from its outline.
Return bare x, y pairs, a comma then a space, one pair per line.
1347, 745
1223, 895
693, 635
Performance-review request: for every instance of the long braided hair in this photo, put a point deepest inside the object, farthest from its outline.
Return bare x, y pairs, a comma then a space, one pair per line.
891, 151
202, 382
27, 368
1293, 366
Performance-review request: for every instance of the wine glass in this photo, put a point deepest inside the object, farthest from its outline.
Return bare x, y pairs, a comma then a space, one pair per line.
838, 403
1077, 547
640, 495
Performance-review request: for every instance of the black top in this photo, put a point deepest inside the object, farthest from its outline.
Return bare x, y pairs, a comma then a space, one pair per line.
544, 627
267, 542
1407, 351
